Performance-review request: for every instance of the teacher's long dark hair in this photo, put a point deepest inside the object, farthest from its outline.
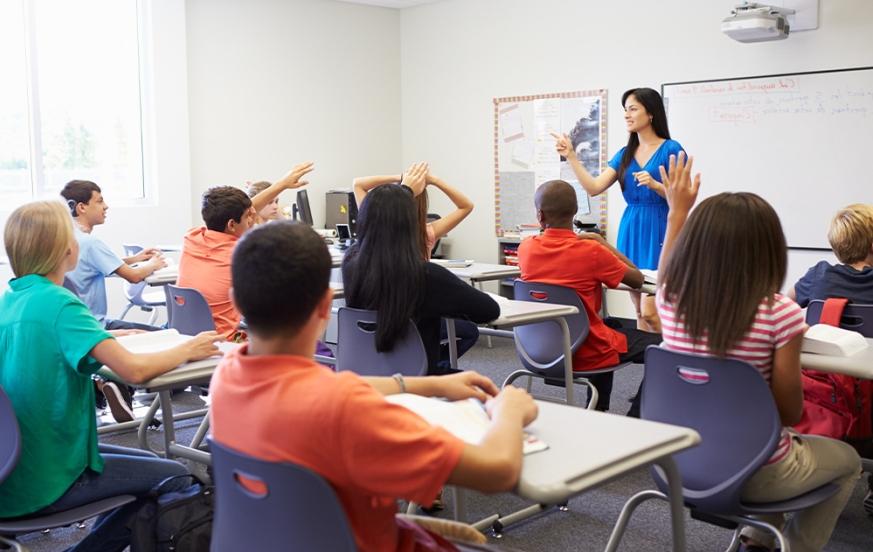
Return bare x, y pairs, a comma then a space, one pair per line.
384, 269
654, 105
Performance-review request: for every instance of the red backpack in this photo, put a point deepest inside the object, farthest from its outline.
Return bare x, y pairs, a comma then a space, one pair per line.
836, 405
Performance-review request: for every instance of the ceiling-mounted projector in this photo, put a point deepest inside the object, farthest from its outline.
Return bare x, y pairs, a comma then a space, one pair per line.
756, 23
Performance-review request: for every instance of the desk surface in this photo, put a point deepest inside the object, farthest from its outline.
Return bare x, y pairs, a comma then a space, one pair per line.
859, 365
588, 448
518, 313
483, 272
164, 276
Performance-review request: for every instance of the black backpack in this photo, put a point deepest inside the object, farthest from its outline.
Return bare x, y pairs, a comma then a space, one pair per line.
179, 520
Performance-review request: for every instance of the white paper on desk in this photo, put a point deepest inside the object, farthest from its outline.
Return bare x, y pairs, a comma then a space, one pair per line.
153, 342
466, 420
649, 276
453, 263
830, 340
170, 270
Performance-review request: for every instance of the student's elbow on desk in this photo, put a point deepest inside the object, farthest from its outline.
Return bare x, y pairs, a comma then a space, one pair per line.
633, 278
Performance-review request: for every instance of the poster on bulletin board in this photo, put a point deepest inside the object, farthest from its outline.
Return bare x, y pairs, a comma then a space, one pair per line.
525, 156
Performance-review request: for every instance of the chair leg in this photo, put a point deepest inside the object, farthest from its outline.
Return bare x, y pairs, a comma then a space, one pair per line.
626, 512
125, 311
201, 432
735, 542
752, 522
154, 317
12, 545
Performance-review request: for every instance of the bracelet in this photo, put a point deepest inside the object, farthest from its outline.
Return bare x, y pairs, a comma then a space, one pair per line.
400, 383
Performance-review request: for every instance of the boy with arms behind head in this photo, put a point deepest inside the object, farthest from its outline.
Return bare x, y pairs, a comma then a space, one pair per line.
272, 401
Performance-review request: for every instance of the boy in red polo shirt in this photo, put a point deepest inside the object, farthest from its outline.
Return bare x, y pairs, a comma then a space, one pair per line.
271, 400
227, 213
585, 263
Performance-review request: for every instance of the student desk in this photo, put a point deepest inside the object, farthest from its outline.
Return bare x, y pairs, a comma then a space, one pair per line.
588, 449
338, 290
859, 365
190, 373
518, 313
477, 273
164, 276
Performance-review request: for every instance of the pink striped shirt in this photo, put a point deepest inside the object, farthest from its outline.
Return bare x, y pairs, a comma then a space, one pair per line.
774, 325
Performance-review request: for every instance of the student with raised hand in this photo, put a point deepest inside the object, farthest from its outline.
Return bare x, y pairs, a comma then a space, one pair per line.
228, 213
52, 345
427, 235
271, 210
722, 266
635, 168
429, 232
385, 271
272, 401
96, 260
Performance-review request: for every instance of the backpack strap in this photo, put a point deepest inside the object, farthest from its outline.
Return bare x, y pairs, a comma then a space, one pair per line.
832, 311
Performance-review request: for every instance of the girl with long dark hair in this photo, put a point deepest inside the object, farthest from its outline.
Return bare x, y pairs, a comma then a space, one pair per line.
718, 295
385, 271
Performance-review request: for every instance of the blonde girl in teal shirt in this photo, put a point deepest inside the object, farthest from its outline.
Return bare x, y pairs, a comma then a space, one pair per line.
50, 345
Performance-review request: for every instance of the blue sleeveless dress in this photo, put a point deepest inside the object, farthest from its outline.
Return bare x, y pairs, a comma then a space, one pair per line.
644, 222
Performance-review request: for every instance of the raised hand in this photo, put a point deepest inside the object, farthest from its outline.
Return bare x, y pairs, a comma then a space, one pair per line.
416, 177
679, 188
292, 179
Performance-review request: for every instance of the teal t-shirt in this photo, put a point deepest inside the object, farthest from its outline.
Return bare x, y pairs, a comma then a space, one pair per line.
46, 334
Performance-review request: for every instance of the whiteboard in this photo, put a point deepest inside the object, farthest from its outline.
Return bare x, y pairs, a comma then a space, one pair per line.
801, 141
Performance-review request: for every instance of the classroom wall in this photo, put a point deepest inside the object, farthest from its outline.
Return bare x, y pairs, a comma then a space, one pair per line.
167, 213
456, 55
275, 82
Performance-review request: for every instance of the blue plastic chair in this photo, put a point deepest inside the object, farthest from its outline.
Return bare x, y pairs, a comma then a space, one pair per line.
356, 347
10, 450
730, 405
136, 294
540, 347
187, 311
297, 510
857, 318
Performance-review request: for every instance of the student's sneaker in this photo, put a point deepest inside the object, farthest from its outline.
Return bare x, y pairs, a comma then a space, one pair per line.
119, 400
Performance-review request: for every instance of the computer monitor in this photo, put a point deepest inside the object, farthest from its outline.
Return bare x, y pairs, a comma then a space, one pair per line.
301, 208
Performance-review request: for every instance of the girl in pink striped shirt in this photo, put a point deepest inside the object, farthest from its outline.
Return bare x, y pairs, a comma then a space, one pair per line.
720, 278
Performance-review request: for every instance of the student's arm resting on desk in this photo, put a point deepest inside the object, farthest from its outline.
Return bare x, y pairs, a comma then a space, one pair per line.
464, 385
593, 185
136, 274
288, 182
143, 255
463, 207
140, 368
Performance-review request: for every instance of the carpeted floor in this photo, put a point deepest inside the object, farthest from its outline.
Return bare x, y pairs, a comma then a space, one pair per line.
589, 521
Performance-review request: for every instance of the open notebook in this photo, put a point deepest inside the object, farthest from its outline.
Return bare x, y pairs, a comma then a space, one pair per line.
466, 420
153, 342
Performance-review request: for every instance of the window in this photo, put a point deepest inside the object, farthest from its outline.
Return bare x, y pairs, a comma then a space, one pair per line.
70, 105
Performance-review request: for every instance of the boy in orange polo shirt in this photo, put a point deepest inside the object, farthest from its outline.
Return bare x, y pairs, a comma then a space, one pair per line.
585, 263
271, 400
205, 262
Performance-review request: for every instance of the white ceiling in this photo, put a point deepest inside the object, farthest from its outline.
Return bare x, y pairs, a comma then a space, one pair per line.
396, 4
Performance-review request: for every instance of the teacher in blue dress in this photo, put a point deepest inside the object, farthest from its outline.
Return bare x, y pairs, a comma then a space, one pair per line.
635, 167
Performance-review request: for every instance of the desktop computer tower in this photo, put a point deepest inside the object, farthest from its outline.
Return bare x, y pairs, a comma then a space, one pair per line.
341, 208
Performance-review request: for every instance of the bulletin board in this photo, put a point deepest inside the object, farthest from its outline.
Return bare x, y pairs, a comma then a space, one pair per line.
525, 156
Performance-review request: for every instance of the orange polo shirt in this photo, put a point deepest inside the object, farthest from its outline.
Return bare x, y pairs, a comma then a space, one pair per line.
205, 266
558, 256
372, 452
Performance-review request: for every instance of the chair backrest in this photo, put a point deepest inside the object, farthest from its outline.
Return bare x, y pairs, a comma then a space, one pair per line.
284, 506
356, 347
729, 404
858, 318
10, 438
187, 311
541, 346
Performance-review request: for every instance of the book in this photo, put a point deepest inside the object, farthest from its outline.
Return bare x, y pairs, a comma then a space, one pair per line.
153, 342
453, 263
467, 419
824, 339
